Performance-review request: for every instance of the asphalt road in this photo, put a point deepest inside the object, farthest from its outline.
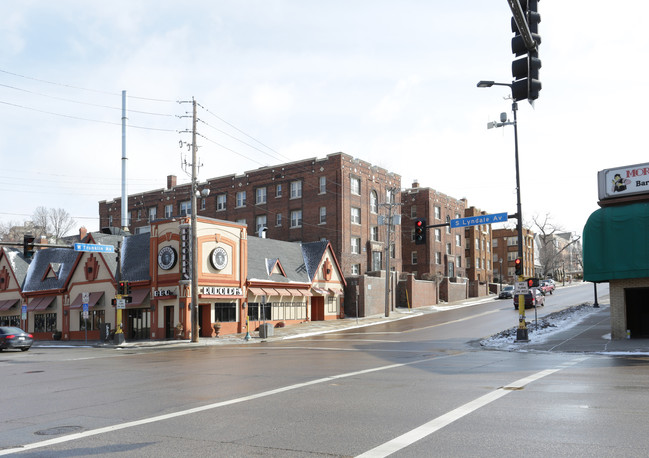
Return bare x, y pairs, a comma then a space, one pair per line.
417, 387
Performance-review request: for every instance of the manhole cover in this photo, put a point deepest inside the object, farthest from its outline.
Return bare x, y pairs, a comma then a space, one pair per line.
58, 430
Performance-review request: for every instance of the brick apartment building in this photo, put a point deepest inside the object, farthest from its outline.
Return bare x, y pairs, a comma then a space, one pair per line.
443, 254
479, 266
336, 198
505, 249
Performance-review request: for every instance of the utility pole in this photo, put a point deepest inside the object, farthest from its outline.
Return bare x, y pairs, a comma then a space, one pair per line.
388, 225
194, 237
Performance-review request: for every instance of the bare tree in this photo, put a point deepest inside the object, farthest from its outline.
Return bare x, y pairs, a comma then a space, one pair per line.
551, 252
60, 223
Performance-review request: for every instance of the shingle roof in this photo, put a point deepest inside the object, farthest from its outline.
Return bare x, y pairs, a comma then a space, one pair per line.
135, 257
63, 260
18, 263
289, 255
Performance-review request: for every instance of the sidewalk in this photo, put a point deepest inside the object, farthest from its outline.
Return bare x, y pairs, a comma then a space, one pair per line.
590, 335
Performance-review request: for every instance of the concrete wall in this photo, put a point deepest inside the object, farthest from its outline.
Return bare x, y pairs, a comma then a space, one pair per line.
478, 289
618, 304
370, 296
450, 291
416, 293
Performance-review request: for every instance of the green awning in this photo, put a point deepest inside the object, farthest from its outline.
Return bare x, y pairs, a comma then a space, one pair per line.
616, 243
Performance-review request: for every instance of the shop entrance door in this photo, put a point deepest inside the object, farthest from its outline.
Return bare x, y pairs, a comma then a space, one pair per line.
169, 322
139, 324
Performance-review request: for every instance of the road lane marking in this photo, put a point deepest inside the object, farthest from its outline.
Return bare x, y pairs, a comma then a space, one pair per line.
440, 422
216, 405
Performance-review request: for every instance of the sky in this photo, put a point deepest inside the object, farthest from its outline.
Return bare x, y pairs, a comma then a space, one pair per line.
275, 81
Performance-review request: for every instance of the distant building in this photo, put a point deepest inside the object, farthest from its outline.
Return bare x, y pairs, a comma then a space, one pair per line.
505, 251
337, 198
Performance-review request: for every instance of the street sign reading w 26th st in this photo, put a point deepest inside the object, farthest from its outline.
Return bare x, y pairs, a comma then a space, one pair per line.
92, 248
480, 219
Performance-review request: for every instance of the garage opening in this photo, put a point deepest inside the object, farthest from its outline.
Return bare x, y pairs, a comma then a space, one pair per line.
637, 311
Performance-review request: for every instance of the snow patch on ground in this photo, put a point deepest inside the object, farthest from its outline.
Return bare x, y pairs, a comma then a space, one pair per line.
547, 326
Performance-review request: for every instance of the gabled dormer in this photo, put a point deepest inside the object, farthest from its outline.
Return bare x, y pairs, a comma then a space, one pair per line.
274, 266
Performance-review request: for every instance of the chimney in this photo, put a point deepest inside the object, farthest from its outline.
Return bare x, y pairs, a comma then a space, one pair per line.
415, 184
171, 181
82, 233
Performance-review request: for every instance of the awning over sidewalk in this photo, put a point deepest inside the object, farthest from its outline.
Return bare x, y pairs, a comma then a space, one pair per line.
7, 304
138, 297
616, 243
94, 298
40, 303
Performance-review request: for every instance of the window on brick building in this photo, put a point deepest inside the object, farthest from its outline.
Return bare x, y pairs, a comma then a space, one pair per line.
356, 245
438, 235
323, 215
153, 213
448, 248
413, 211
241, 199
393, 251
278, 190
438, 257
374, 202
438, 212
494, 242
374, 233
356, 215
221, 201
261, 222
260, 195
296, 218
323, 185
356, 269
458, 240
458, 262
278, 219
203, 203
242, 221
355, 186
169, 211
296, 189
448, 221
413, 257
186, 208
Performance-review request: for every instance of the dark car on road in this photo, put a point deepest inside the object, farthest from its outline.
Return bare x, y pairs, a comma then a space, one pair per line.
12, 337
506, 292
534, 298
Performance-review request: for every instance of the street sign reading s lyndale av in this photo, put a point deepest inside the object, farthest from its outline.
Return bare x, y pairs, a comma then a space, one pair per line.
480, 219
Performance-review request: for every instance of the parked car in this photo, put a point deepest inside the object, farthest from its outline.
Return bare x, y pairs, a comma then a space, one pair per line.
12, 337
507, 292
534, 298
546, 286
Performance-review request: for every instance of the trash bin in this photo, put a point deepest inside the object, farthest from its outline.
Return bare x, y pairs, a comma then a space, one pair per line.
265, 330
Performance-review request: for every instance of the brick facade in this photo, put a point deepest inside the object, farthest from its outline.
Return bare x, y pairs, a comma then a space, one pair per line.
505, 248
337, 198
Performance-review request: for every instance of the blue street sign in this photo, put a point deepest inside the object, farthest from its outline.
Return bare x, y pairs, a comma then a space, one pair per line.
92, 248
480, 219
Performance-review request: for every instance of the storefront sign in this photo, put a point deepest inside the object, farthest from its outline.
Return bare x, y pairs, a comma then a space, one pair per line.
164, 293
221, 291
623, 181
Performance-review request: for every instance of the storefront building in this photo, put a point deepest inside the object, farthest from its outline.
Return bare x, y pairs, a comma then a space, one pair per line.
242, 282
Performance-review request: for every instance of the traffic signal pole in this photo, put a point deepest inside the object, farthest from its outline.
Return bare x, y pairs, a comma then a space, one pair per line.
521, 332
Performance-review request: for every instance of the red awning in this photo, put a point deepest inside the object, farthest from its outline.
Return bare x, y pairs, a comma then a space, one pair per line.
40, 303
257, 291
94, 298
138, 297
271, 292
6, 305
336, 291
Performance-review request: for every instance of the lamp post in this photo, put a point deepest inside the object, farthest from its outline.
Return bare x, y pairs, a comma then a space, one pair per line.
521, 332
501, 274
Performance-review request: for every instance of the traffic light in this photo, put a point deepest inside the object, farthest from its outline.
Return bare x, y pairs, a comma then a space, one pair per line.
518, 266
28, 246
532, 282
525, 69
420, 231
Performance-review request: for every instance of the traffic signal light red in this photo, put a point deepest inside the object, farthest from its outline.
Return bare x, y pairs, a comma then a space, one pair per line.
420, 231
532, 282
518, 266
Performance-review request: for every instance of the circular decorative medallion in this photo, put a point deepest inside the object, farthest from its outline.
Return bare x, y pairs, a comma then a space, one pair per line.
219, 258
167, 257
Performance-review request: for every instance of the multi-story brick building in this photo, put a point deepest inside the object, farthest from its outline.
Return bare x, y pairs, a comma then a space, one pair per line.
505, 249
443, 254
479, 266
337, 198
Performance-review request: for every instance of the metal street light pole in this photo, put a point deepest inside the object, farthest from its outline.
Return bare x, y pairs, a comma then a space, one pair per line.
521, 332
194, 235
